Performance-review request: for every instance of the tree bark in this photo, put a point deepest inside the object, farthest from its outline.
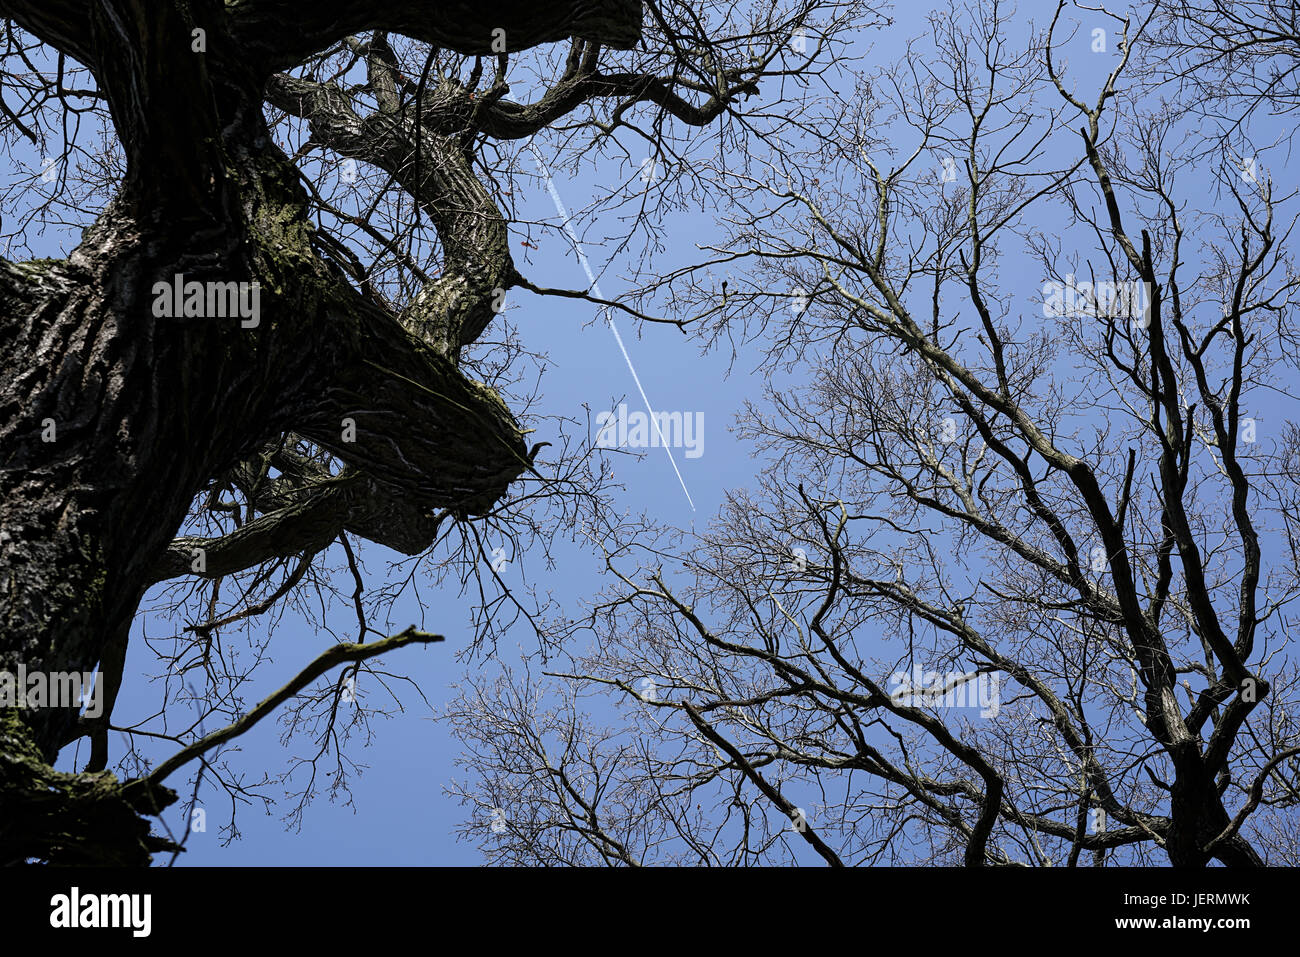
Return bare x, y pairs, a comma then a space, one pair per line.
112, 419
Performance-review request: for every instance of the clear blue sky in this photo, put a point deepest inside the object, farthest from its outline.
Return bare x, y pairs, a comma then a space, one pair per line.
401, 815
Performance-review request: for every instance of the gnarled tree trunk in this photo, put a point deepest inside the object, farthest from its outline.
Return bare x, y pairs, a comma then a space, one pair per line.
113, 418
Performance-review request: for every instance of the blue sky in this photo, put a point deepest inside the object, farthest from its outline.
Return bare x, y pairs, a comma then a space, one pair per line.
400, 814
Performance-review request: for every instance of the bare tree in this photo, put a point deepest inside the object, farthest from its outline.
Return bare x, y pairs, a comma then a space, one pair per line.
1017, 584
343, 180
1231, 58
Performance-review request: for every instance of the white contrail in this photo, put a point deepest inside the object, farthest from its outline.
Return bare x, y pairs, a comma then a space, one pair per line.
595, 288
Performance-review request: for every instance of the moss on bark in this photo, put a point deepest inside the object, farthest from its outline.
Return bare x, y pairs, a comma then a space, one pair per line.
71, 819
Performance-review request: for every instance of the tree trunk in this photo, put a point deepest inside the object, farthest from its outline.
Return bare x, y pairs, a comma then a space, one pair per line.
112, 418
